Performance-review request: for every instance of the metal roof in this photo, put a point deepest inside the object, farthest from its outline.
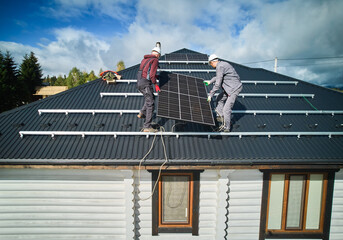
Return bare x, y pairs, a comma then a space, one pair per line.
297, 123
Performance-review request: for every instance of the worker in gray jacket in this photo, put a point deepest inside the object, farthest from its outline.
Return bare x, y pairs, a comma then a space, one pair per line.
227, 79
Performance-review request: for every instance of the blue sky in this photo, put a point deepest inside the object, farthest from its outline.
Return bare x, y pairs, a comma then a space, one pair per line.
94, 34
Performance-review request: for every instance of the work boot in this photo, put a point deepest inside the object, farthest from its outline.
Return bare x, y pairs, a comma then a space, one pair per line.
141, 115
225, 130
150, 129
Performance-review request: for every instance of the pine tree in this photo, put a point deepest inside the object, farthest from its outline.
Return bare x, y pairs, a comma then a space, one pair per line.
31, 73
13, 93
120, 65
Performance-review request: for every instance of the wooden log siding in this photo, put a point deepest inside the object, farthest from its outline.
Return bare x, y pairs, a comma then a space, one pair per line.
245, 193
336, 229
65, 204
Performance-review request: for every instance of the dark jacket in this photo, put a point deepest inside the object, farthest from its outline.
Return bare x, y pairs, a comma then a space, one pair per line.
150, 68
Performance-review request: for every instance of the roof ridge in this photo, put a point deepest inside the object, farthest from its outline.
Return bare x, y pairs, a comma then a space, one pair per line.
185, 51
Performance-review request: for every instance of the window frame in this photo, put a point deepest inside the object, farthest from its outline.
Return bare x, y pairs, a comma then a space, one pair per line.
326, 206
193, 225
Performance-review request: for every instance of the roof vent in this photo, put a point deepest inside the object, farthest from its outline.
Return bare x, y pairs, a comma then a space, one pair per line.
313, 126
262, 125
235, 126
287, 125
18, 125
45, 125
126, 126
99, 125
72, 125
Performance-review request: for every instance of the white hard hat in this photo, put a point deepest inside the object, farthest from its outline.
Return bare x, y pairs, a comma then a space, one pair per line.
212, 57
156, 49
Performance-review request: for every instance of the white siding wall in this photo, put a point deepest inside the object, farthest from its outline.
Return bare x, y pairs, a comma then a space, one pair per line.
65, 204
336, 229
245, 194
207, 213
98, 204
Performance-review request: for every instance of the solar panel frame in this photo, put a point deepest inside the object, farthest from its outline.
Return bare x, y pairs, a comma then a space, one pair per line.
184, 98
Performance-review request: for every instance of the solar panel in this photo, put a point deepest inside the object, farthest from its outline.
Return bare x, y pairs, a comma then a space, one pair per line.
186, 57
197, 57
176, 57
184, 98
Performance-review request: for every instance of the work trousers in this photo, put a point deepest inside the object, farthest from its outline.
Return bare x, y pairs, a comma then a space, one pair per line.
225, 103
149, 103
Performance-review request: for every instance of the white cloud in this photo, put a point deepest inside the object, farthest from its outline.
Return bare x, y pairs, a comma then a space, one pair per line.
72, 48
239, 31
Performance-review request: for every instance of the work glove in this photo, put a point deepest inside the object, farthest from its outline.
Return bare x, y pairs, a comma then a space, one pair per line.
207, 83
209, 99
157, 88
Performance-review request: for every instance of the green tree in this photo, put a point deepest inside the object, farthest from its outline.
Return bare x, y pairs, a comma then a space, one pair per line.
31, 73
75, 78
60, 81
120, 65
91, 76
13, 93
53, 80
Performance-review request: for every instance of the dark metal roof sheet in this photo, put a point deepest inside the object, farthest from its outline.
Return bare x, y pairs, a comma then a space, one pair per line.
193, 150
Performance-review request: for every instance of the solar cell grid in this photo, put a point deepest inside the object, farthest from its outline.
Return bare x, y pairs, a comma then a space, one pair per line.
184, 98
185, 57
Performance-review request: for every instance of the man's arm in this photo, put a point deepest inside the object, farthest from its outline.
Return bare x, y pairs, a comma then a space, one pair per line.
153, 70
218, 79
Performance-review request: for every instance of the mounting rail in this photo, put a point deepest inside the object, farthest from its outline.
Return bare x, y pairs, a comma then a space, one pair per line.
176, 134
182, 61
243, 95
125, 111
128, 81
186, 70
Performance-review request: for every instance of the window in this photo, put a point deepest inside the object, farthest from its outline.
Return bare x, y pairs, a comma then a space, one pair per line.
296, 204
175, 206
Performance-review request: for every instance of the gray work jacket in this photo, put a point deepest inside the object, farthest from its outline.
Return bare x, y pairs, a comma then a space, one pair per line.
226, 77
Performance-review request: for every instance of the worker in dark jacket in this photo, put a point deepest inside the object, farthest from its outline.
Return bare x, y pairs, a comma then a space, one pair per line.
146, 76
227, 79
